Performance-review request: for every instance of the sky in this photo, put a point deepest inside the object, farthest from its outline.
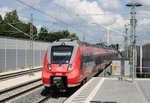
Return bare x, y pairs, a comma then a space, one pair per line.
89, 19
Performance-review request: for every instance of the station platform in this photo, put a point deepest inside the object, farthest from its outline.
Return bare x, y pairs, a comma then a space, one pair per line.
112, 90
4, 85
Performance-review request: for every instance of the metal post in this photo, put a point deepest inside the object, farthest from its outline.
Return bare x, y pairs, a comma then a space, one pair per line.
5, 55
108, 33
141, 62
40, 55
133, 39
31, 45
26, 55
126, 41
83, 38
16, 55
132, 22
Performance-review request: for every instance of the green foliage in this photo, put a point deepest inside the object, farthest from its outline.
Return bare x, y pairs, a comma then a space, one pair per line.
13, 19
52, 36
1, 19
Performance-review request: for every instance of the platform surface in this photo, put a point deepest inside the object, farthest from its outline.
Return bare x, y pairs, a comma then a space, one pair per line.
112, 90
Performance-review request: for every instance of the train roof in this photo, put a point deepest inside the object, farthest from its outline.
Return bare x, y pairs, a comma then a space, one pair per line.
77, 42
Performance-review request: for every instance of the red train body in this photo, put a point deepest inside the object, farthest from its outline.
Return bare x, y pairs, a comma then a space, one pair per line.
68, 62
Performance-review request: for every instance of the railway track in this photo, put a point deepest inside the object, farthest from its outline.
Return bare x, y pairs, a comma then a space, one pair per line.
16, 74
14, 92
31, 92
57, 97
54, 100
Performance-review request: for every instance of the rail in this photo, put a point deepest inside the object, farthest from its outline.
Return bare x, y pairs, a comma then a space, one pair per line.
21, 89
19, 73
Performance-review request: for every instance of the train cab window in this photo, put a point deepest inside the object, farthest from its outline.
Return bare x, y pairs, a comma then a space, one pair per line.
61, 54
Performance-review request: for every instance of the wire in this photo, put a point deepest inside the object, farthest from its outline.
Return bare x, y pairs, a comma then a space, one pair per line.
44, 21
71, 13
63, 8
93, 14
88, 20
49, 15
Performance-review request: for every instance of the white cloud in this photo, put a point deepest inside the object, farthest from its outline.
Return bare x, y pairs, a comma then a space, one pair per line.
143, 14
145, 2
38, 28
4, 10
114, 21
83, 22
144, 22
23, 19
119, 22
85, 7
110, 4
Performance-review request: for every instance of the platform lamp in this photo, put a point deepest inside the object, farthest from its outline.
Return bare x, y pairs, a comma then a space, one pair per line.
133, 22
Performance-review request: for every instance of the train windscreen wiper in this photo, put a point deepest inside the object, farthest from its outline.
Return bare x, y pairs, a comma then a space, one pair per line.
64, 60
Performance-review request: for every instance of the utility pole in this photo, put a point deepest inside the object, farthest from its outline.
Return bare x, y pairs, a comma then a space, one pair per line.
31, 41
108, 34
31, 45
100, 41
126, 41
133, 38
83, 38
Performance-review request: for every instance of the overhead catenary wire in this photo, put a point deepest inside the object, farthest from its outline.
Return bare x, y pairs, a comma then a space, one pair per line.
50, 16
88, 20
67, 11
38, 20
54, 17
85, 19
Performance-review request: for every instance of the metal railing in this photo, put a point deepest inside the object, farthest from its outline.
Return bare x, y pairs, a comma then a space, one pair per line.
143, 72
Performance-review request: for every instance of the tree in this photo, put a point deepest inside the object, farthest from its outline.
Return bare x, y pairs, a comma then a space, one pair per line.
73, 36
11, 17
1, 19
43, 33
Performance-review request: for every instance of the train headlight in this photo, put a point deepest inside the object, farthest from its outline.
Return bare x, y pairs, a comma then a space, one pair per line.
49, 67
69, 67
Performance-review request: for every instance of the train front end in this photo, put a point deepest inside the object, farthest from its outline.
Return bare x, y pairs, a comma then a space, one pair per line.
62, 65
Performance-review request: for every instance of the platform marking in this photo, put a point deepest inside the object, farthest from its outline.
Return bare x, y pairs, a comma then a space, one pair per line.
83, 93
93, 93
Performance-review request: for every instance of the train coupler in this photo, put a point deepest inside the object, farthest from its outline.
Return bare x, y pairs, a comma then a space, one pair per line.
59, 82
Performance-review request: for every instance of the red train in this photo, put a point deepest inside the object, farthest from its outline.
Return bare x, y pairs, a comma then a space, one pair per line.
69, 62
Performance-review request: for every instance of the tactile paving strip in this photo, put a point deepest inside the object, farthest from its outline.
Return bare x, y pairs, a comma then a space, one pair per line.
83, 93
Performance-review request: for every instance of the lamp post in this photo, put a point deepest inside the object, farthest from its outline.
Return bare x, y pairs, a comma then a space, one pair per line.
133, 38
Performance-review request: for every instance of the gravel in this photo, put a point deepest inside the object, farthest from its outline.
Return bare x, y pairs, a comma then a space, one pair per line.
39, 94
16, 91
29, 97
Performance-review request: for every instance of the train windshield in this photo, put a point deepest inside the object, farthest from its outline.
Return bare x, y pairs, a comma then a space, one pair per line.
61, 54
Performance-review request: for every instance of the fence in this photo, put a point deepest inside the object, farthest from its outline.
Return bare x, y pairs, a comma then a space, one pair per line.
16, 54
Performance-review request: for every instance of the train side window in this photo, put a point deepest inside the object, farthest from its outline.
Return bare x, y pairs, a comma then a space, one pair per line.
82, 61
